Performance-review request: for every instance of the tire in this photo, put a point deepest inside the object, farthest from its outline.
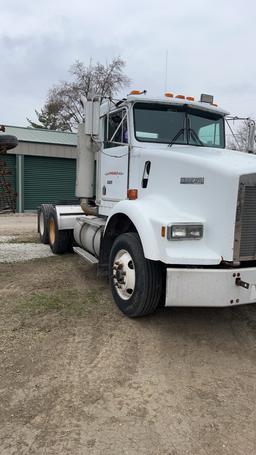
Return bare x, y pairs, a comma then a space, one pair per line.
139, 290
42, 222
59, 240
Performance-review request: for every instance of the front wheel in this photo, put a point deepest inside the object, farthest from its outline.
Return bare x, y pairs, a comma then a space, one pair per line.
136, 282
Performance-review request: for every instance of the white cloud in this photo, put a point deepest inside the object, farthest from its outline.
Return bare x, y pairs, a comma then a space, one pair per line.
210, 47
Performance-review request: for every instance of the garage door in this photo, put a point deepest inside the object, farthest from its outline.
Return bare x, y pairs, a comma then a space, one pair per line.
10, 162
47, 180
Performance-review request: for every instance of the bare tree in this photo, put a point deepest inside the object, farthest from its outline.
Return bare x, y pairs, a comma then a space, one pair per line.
62, 110
239, 139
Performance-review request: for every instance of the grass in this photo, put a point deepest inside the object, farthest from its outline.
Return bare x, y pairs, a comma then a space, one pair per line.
25, 239
68, 302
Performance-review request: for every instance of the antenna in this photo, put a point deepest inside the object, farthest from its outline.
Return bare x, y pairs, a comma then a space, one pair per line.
166, 71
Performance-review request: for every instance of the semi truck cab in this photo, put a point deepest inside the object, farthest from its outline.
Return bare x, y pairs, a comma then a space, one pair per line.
166, 210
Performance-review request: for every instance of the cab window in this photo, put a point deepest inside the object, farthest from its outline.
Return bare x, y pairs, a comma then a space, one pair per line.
115, 129
206, 129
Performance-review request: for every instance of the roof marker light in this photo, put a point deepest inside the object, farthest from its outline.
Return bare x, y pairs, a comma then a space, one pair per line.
214, 104
169, 95
137, 92
181, 97
190, 98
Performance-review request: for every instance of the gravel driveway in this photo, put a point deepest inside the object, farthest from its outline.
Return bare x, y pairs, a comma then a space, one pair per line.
17, 252
14, 229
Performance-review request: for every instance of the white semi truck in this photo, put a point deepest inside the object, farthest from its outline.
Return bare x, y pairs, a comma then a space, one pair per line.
166, 211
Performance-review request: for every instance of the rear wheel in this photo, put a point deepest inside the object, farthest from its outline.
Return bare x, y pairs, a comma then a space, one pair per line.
43, 216
59, 240
136, 282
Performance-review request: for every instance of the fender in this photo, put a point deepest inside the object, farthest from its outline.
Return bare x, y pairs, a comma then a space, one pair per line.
148, 216
138, 214
66, 215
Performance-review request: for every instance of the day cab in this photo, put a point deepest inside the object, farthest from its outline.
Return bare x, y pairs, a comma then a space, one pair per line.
167, 211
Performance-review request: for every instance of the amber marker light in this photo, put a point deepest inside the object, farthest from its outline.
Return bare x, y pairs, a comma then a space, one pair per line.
169, 95
163, 231
180, 97
190, 98
214, 104
136, 92
132, 194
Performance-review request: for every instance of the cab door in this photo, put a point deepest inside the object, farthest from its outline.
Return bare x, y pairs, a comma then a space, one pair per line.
114, 157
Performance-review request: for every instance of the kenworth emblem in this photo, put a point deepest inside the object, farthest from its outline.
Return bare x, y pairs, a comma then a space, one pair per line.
192, 180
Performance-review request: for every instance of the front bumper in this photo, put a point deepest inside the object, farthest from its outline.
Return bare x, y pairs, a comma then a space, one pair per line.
199, 287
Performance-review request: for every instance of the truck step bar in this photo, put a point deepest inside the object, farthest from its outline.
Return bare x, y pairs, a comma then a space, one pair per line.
87, 257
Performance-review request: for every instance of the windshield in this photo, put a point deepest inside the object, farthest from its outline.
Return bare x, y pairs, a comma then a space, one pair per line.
178, 124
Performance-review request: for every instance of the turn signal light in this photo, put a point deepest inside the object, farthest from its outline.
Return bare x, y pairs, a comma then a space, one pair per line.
163, 231
168, 94
132, 194
181, 97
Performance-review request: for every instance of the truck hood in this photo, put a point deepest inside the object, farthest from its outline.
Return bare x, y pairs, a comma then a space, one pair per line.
194, 184
222, 160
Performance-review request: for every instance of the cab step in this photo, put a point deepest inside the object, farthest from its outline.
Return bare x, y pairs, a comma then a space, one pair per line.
87, 257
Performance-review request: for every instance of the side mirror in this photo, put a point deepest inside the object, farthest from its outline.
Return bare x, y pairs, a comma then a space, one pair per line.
251, 136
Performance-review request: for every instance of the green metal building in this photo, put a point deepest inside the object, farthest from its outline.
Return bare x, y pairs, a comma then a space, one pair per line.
43, 166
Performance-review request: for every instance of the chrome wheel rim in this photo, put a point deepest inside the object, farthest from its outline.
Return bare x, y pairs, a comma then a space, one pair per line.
52, 231
124, 274
41, 223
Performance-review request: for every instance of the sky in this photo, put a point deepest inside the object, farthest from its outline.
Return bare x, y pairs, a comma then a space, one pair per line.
210, 46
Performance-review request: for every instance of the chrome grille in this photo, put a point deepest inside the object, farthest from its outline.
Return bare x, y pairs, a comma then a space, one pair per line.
248, 223
245, 231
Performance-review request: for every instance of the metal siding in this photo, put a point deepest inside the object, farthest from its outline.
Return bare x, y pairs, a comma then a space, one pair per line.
47, 180
57, 151
42, 136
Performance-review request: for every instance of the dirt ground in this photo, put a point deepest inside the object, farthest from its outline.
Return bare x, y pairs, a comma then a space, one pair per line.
77, 377
18, 224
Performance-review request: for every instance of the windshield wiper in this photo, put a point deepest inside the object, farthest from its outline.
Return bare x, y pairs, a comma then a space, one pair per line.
195, 136
181, 131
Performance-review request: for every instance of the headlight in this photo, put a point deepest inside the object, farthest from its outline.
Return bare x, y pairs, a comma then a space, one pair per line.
185, 232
